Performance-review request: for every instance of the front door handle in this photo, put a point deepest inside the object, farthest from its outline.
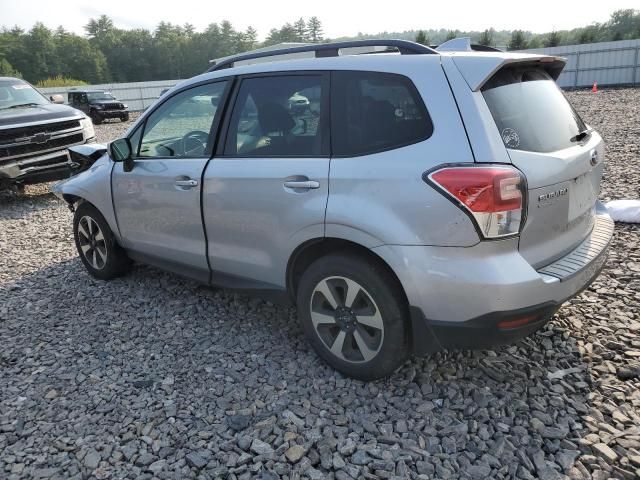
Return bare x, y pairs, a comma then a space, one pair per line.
306, 184
187, 183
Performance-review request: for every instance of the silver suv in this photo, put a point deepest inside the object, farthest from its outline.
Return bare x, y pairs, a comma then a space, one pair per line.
425, 199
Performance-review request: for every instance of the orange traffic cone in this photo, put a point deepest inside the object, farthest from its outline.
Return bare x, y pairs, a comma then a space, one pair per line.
594, 89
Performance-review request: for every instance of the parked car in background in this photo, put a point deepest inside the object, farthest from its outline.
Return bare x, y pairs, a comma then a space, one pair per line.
35, 134
440, 199
98, 104
299, 103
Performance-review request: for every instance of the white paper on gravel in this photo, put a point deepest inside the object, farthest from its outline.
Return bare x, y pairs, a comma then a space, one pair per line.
627, 211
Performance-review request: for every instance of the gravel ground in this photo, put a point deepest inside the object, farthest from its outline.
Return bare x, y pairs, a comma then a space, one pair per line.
153, 376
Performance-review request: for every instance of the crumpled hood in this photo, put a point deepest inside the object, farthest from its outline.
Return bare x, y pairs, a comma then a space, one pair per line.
37, 113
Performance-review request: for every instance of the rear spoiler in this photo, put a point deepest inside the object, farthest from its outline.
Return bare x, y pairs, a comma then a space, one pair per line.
478, 68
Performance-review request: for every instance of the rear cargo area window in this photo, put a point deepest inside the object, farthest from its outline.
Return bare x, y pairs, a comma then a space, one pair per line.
373, 112
530, 111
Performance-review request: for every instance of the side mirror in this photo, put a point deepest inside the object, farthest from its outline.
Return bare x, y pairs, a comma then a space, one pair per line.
57, 98
120, 151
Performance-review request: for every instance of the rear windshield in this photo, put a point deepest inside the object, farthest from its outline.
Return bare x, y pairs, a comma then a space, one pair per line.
531, 112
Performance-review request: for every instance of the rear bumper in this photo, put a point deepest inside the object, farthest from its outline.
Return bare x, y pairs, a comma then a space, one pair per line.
488, 294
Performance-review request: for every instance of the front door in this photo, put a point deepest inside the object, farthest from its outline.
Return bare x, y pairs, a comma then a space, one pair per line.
157, 203
266, 192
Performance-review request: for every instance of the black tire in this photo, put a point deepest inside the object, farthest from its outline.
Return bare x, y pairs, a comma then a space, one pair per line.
379, 291
95, 117
101, 255
124, 118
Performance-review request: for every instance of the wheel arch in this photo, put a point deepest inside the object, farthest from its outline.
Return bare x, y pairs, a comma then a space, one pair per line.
311, 250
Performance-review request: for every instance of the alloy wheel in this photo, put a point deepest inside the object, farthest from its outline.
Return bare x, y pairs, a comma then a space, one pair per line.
92, 243
347, 319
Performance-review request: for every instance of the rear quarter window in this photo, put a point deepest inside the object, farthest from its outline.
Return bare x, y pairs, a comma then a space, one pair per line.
373, 112
530, 110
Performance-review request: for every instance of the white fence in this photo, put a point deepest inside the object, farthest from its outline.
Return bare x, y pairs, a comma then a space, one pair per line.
137, 95
608, 63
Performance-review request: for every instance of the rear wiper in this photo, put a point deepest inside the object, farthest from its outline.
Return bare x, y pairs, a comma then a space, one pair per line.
580, 136
20, 105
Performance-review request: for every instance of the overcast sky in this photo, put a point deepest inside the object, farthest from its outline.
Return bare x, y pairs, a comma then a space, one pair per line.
339, 18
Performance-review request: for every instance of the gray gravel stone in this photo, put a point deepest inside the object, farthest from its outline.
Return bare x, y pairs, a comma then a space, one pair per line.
151, 375
195, 460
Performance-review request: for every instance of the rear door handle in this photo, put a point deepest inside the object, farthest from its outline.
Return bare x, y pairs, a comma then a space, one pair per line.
187, 183
306, 184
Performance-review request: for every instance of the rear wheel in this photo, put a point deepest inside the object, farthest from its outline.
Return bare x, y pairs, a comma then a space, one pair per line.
97, 247
354, 315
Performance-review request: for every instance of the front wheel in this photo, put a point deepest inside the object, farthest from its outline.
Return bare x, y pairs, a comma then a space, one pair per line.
95, 117
101, 255
354, 315
124, 118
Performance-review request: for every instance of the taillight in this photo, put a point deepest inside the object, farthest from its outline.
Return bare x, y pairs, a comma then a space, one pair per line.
493, 196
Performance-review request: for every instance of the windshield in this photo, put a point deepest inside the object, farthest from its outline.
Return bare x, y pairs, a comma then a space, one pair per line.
100, 96
531, 112
17, 92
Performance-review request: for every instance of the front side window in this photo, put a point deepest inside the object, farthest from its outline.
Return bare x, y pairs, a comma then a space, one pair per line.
373, 112
181, 126
530, 111
277, 116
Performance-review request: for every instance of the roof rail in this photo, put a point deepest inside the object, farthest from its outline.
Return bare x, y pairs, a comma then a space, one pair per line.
463, 44
405, 47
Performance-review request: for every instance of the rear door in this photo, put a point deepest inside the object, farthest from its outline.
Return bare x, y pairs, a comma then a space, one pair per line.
561, 157
266, 191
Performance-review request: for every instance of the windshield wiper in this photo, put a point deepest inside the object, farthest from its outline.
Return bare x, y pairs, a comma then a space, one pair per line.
20, 105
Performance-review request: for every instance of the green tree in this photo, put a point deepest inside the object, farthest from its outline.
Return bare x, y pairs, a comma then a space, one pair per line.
421, 37
451, 34
518, 40
314, 27
43, 61
6, 70
587, 35
300, 28
624, 24
486, 37
77, 58
553, 39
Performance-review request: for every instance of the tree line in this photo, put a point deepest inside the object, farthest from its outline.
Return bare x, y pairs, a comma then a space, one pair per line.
110, 54
623, 24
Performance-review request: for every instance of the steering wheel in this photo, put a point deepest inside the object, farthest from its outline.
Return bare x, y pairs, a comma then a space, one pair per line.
194, 143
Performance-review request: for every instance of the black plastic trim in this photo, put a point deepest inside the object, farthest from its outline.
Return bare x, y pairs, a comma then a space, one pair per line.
405, 47
478, 333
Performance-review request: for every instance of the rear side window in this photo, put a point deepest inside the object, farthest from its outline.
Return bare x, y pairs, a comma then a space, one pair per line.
373, 112
278, 116
530, 111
